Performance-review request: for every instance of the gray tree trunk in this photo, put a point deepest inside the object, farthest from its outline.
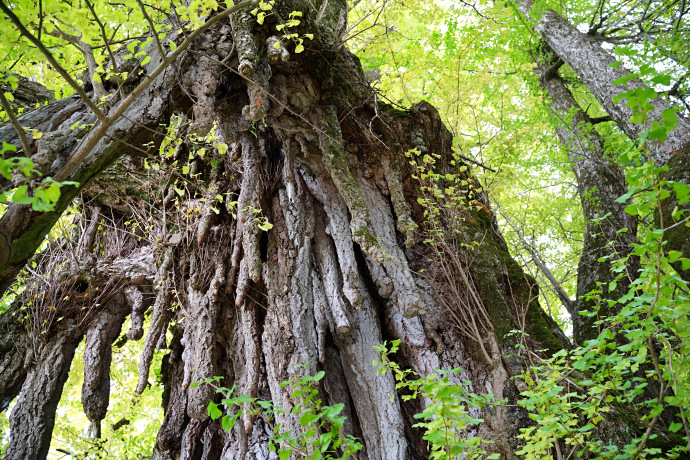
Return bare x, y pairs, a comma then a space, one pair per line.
600, 183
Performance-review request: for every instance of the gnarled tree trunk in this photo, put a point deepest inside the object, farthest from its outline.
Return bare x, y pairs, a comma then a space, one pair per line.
343, 268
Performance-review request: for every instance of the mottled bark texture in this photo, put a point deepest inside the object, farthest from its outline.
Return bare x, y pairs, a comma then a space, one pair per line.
343, 268
600, 183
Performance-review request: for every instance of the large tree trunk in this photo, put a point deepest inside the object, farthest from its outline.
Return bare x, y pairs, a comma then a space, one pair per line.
343, 268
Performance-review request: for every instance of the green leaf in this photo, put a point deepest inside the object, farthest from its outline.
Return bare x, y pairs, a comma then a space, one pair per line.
581, 364
674, 256
265, 226
52, 192
662, 79
554, 391
625, 79
685, 263
675, 426
228, 421
20, 197
213, 411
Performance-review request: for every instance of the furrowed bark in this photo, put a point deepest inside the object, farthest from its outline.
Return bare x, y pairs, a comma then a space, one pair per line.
33, 417
14, 349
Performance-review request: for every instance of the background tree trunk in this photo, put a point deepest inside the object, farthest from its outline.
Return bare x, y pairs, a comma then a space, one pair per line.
598, 70
600, 183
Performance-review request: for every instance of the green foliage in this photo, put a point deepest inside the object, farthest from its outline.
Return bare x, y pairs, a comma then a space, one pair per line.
321, 435
265, 10
640, 358
446, 417
41, 197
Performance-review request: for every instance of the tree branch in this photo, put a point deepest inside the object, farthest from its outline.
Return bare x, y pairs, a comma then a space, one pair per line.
153, 29
538, 261
597, 120
75, 160
103, 34
477, 163
15, 123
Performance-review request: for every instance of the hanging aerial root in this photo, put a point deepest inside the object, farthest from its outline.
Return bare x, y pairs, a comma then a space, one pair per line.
136, 299
199, 342
405, 295
89, 237
320, 317
159, 318
202, 80
103, 330
249, 205
252, 355
234, 265
405, 224
327, 280
333, 150
33, 417
289, 169
208, 212
255, 69
327, 194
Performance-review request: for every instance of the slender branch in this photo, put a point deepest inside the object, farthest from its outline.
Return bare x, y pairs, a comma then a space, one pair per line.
103, 34
40, 17
15, 123
87, 51
536, 258
652, 424
676, 86
680, 16
63, 73
153, 29
477, 163
597, 120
